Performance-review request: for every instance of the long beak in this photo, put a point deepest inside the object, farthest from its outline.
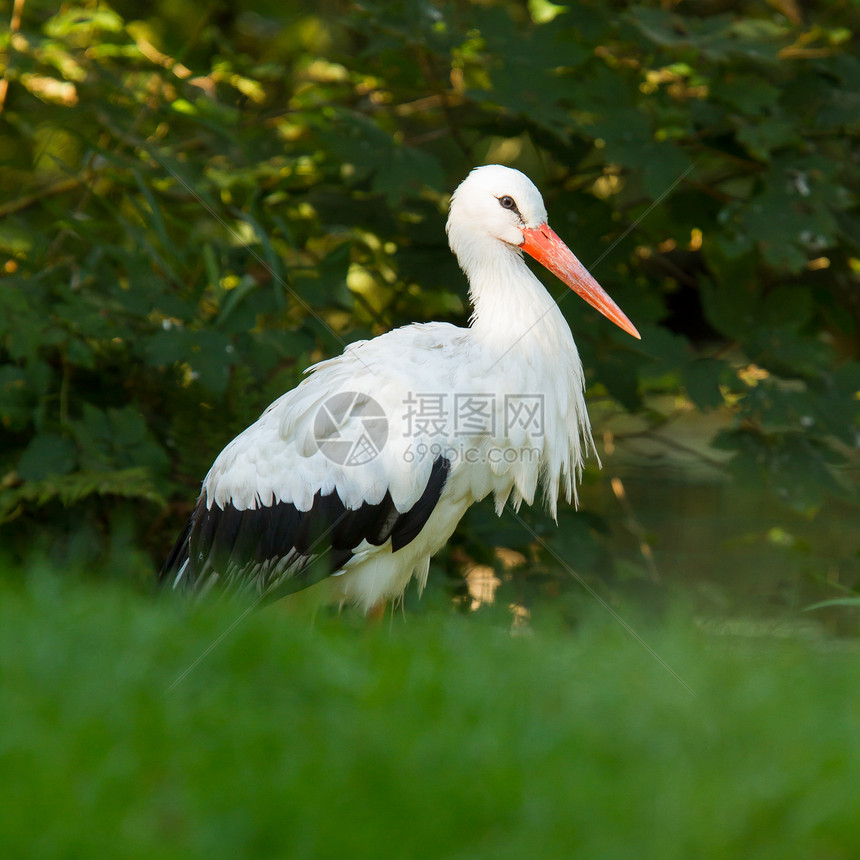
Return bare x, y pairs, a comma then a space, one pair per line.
546, 247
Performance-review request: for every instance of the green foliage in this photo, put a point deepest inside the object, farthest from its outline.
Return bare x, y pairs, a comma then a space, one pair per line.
434, 736
196, 204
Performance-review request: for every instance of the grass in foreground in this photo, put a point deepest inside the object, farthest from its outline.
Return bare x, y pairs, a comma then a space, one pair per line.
433, 736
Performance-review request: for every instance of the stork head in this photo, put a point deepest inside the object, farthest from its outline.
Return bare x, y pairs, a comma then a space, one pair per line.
497, 204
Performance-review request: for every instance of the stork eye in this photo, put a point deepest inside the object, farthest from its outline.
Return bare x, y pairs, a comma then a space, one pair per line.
507, 202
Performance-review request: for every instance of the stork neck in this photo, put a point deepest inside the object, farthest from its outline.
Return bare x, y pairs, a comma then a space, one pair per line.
511, 306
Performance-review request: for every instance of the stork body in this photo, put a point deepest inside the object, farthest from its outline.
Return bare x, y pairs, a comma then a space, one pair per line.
362, 472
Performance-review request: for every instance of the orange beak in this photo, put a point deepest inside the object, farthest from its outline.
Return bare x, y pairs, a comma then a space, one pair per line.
544, 245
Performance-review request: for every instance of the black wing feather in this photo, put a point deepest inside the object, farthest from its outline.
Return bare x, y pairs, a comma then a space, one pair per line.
285, 520
178, 554
274, 543
361, 524
410, 523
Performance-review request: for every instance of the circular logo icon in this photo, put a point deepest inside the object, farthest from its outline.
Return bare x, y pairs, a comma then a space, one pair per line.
350, 428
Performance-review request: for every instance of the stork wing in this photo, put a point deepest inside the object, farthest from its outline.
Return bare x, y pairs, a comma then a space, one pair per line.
331, 473
279, 548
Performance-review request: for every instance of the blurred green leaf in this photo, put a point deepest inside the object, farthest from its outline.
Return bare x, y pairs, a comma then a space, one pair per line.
702, 379
47, 454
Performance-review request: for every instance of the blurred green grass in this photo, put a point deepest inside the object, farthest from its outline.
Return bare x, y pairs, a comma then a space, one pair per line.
429, 735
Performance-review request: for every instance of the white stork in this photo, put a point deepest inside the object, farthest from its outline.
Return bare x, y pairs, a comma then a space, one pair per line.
356, 477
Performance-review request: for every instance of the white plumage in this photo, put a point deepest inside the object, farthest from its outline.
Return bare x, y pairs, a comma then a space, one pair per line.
495, 408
